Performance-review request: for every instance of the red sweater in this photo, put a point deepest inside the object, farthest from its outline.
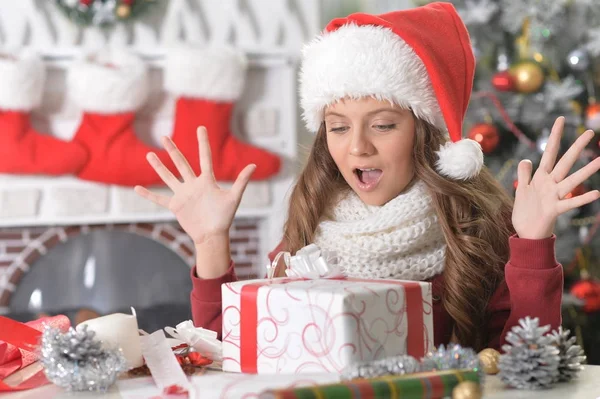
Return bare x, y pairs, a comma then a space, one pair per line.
533, 287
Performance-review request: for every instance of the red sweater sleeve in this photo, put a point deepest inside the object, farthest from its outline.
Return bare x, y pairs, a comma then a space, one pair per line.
206, 297
532, 287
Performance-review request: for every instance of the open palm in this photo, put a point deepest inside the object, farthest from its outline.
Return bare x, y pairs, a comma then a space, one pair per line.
541, 199
202, 208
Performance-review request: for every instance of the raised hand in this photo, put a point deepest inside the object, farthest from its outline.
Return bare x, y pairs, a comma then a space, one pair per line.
541, 199
202, 208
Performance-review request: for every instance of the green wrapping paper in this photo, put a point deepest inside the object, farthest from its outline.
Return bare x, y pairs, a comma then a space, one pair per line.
435, 384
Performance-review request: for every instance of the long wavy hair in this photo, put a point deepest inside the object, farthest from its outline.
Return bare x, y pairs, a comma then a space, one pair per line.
475, 217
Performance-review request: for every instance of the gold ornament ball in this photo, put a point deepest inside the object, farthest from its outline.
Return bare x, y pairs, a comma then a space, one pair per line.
528, 76
123, 11
467, 390
489, 360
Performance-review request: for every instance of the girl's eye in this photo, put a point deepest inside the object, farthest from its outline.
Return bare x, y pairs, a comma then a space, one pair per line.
338, 129
385, 128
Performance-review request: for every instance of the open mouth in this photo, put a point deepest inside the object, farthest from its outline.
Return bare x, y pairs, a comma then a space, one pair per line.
368, 177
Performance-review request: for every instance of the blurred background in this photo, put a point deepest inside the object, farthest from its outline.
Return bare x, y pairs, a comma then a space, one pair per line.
85, 245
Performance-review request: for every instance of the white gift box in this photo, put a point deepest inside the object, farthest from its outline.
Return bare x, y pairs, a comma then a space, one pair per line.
290, 325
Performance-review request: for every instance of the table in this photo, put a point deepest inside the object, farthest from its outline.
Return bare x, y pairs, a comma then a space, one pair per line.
586, 387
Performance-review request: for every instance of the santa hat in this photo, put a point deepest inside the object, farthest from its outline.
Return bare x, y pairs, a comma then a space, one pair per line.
420, 59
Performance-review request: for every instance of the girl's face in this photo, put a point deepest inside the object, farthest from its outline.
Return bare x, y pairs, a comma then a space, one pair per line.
371, 142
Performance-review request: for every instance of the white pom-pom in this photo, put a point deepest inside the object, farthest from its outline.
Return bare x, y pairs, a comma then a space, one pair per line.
461, 160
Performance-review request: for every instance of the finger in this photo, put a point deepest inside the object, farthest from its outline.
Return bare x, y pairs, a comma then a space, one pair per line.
242, 181
164, 173
158, 199
575, 202
205, 154
182, 165
524, 173
553, 145
569, 184
564, 165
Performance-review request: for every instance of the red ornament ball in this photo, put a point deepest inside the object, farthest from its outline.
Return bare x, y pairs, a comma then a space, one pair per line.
486, 135
86, 2
589, 292
128, 2
503, 81
577, 191
592, 116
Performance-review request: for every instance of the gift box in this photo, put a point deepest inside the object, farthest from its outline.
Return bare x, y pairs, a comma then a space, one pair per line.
296, 325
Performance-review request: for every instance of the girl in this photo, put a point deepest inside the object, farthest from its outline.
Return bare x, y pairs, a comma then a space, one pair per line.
391, 187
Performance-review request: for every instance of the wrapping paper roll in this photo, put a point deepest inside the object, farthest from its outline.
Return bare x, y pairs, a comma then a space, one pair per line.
433, 385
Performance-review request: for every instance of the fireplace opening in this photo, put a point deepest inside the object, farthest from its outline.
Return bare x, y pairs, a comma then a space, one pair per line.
103, 272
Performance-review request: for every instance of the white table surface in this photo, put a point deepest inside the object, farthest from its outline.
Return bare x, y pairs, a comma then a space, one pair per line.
587, 386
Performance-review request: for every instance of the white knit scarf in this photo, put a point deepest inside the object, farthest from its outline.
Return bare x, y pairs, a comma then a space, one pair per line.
401, 239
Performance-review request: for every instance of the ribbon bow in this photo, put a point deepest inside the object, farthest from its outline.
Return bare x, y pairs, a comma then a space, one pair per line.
202, 340
309, 262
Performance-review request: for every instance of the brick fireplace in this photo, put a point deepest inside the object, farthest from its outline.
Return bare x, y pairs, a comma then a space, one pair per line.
22, 252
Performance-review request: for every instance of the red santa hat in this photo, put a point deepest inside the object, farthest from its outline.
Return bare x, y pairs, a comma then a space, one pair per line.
420, 59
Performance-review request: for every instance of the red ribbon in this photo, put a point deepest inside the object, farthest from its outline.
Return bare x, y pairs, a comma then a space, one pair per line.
26, 338
249, 319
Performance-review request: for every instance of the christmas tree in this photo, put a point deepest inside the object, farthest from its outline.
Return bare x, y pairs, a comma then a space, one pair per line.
537, 60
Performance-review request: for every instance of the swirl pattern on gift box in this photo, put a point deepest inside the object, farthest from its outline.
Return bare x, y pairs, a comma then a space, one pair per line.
401, 239
340, 321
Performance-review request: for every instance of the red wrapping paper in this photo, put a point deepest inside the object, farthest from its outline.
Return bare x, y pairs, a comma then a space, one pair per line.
18, 343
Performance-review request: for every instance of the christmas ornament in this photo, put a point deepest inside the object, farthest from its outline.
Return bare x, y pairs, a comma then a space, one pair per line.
542, 141
76, 361
23, 150
486, 135
528, 76
452, 357
104, 13
396, 365
578, 60
123, 11
592, 116
529, 361
588, 291
489, 360
503, 81
571, 355
109, 98
577, 191
467, 390
207, 84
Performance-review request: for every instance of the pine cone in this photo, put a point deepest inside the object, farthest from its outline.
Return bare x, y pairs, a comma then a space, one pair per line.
530, 360
571, 355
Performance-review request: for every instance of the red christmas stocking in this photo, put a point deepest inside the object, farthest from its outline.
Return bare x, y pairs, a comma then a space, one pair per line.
110, 87
22, 149
207, 83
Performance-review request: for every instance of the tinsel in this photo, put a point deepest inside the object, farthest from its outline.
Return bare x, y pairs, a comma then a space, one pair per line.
571, 355
76, 361
478, 12
396, 365
530, 361
452, 357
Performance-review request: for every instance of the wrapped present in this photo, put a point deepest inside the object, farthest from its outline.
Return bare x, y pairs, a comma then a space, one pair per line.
431, 385
18, 347
315, 325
